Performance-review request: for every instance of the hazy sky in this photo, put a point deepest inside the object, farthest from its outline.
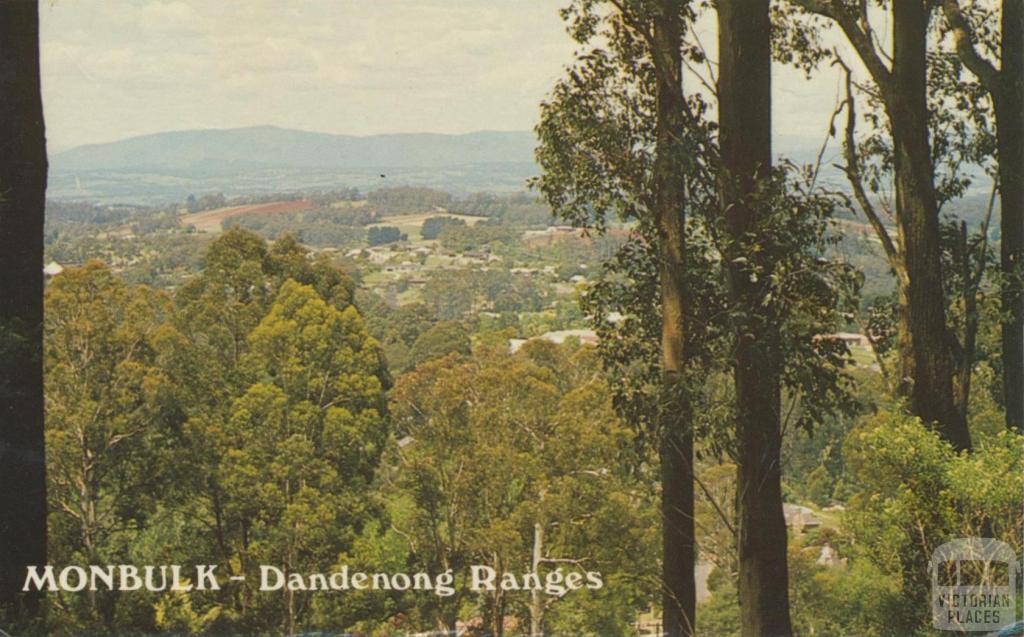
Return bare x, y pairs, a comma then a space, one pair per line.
117, 68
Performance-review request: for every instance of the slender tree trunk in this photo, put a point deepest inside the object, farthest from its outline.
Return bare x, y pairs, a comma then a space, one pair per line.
1009, 100
537, 604
744, 94
679, 597
904, 342
932, 366
498, 611
22, 199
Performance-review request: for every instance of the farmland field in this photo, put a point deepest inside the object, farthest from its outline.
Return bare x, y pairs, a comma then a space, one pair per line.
411, 224
210, 220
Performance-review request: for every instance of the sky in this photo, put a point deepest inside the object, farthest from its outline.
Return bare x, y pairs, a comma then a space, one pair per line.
114, 69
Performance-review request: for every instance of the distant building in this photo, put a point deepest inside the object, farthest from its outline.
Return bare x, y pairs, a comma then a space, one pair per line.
585, 337
379, 256
829, 557
615, 318
405, 441
800, 518
852, 338
52, 269
551, 234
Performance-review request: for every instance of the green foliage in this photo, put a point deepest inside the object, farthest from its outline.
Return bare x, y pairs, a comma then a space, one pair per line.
240, 425
291, 460
160, 257
205, 202
435, 225
452, 297
400, 324
809, 296
110, 432
253, 397
915, 493
498, 449
407, 199
846, 599
321, 227
379, 235
598, 144
478, 237
101, 375
446, 337
516, 209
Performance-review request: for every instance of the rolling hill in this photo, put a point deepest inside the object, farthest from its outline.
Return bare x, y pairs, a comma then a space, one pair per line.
166, 167
169, 166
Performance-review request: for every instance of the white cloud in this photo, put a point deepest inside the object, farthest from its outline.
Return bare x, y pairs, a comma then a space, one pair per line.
116, 68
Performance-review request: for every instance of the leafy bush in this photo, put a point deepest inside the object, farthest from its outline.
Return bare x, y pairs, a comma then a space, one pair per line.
432, 227
379, 235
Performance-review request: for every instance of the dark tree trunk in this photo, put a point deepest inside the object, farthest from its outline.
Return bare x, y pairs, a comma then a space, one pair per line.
1009, 99
931, 367
679, 596
744, 94
22, 197
927, 362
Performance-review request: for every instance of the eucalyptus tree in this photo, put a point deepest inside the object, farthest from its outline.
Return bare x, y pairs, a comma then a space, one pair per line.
977, 41
899, 85
292, 464
544, 416
616, 138
745, 139
110, 425
604, 138
23, 170
281, 393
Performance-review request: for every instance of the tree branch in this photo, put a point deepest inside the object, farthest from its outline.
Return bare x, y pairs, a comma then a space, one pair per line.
857, 32
963, 38
714, 503
853, 175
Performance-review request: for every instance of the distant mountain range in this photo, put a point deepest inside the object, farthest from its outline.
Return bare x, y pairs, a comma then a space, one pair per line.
170, 166
166, 167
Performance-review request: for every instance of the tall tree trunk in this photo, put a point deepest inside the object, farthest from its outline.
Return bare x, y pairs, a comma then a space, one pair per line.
931, 367
744, 94
1009, 100
926, 342
22, 199
497, 614
679, 596
537, 602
